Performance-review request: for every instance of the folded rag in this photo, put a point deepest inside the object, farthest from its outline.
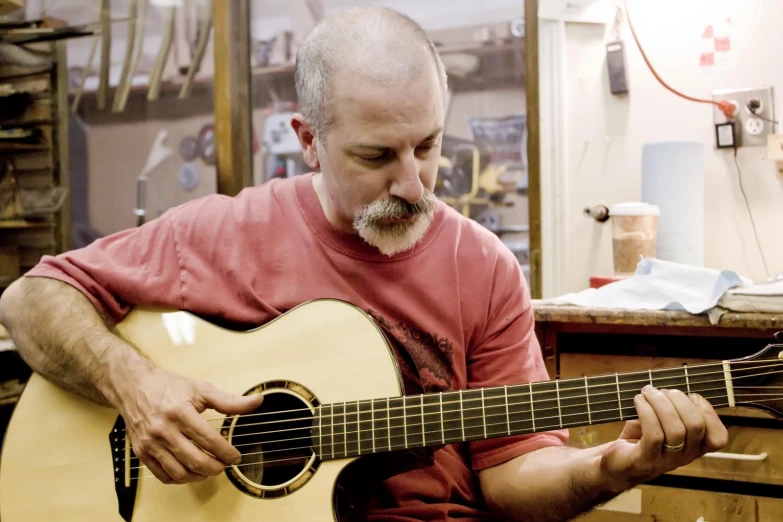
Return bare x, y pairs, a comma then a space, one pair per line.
660, 285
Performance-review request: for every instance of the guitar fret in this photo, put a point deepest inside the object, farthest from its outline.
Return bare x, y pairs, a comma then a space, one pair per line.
405, 422
432, 419
462, 415
415, 428
442, 429
320, 432
356, 429
423, 425
338, 427
331, 427
587, 398
396, 428
388, 423
532, 414
358, 432
508, 415
366, 426
452, 418
571, 403
520, 410
475, 424
372, 422
483, 413
345, 428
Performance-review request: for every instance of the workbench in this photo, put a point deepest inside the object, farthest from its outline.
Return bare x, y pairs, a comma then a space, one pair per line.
745, 482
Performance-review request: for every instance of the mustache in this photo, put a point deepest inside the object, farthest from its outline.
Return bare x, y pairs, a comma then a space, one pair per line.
397, 207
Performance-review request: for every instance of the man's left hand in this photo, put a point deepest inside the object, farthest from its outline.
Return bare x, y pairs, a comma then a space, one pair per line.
672, 430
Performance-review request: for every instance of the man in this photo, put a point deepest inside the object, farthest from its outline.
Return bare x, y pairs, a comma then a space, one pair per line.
368, 230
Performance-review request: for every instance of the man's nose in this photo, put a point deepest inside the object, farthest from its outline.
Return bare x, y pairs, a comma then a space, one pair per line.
407, 182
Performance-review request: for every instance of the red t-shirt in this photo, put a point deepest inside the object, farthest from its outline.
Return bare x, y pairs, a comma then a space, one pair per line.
456, 306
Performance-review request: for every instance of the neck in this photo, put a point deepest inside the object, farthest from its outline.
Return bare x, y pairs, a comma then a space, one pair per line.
358, 428
328, 207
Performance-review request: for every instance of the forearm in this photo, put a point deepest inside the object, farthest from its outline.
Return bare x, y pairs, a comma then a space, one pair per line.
58, 332
550, 484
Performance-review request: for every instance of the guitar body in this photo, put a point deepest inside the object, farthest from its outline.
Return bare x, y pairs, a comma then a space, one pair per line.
57, 463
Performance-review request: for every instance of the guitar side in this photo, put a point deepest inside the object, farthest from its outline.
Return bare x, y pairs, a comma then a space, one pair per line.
57, 463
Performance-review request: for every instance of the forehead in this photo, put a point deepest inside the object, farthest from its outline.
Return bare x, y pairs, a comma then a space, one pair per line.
398, 109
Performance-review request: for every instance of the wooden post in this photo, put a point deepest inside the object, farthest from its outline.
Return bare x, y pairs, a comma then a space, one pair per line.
62, 146
233, 108
533, 145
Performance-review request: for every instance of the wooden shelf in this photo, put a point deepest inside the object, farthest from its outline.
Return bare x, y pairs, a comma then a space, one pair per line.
286, 71
9, 6
18, 224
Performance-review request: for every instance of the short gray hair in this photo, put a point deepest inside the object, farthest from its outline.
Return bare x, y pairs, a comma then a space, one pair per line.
328, 43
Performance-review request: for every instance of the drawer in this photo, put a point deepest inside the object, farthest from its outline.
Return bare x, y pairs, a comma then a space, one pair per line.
744, 450
661, 504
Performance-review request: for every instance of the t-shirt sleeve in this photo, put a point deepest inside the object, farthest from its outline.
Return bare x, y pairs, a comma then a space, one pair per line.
508, 353
135, 266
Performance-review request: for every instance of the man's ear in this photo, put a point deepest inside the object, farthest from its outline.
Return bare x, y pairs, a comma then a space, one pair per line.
306, 135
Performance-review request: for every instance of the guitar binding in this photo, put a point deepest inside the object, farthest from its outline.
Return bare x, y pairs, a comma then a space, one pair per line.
280, 429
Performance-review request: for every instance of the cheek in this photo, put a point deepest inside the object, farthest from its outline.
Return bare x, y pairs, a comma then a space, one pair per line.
429, 173
351, 187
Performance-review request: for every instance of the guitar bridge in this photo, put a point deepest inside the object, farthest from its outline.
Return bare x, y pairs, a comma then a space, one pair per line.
126, 474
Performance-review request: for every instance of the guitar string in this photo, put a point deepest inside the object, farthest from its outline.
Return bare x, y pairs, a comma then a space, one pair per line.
575, 379
523, 394
442, 440
395, 449
345, 434
484, 415
612, 393
612, 385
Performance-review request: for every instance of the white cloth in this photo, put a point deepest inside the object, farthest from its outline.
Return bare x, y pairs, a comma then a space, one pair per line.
660, 285
764, 298
758, 298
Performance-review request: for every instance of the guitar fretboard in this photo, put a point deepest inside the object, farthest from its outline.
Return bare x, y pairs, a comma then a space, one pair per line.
353, 429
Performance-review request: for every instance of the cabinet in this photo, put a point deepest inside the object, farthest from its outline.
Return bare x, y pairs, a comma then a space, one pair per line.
34, 202
742, 482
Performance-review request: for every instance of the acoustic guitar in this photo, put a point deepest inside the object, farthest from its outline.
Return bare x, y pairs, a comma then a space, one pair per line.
333, 394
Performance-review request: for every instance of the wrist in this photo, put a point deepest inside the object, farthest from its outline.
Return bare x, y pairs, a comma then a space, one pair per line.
596, 481
120, 371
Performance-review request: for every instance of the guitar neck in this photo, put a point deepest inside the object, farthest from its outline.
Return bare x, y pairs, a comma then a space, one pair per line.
352, 429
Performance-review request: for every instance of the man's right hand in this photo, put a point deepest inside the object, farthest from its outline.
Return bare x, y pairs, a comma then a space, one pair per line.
167, 433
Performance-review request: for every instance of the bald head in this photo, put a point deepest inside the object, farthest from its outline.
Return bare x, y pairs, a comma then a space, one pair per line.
369, 44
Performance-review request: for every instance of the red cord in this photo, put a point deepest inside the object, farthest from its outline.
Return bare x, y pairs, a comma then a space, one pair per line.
726, 107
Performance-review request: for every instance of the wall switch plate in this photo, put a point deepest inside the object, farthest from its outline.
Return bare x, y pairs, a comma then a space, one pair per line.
750, 130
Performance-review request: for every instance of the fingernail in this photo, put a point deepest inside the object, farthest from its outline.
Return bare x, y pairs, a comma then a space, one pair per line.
238, 461
694, 398
648, 389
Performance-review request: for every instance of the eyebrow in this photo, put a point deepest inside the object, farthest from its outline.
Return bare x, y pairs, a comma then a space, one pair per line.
384, 148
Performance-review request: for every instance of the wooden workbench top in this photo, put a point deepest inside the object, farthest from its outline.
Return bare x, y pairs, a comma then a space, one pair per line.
547, 313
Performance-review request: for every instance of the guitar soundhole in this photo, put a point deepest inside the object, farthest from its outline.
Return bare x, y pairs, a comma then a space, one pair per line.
275, 441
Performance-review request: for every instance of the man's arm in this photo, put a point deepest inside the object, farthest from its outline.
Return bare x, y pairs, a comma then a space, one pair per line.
559, 483
58, 332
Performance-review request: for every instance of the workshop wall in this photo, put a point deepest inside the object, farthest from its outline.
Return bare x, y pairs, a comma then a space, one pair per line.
605, 133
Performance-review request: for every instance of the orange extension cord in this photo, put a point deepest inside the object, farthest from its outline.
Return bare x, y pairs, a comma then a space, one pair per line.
726, 107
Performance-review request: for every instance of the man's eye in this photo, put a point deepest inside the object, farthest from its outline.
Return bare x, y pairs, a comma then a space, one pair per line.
376, 157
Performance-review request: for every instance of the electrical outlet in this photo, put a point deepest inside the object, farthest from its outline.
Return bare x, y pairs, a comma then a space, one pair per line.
754, 126
751, 131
